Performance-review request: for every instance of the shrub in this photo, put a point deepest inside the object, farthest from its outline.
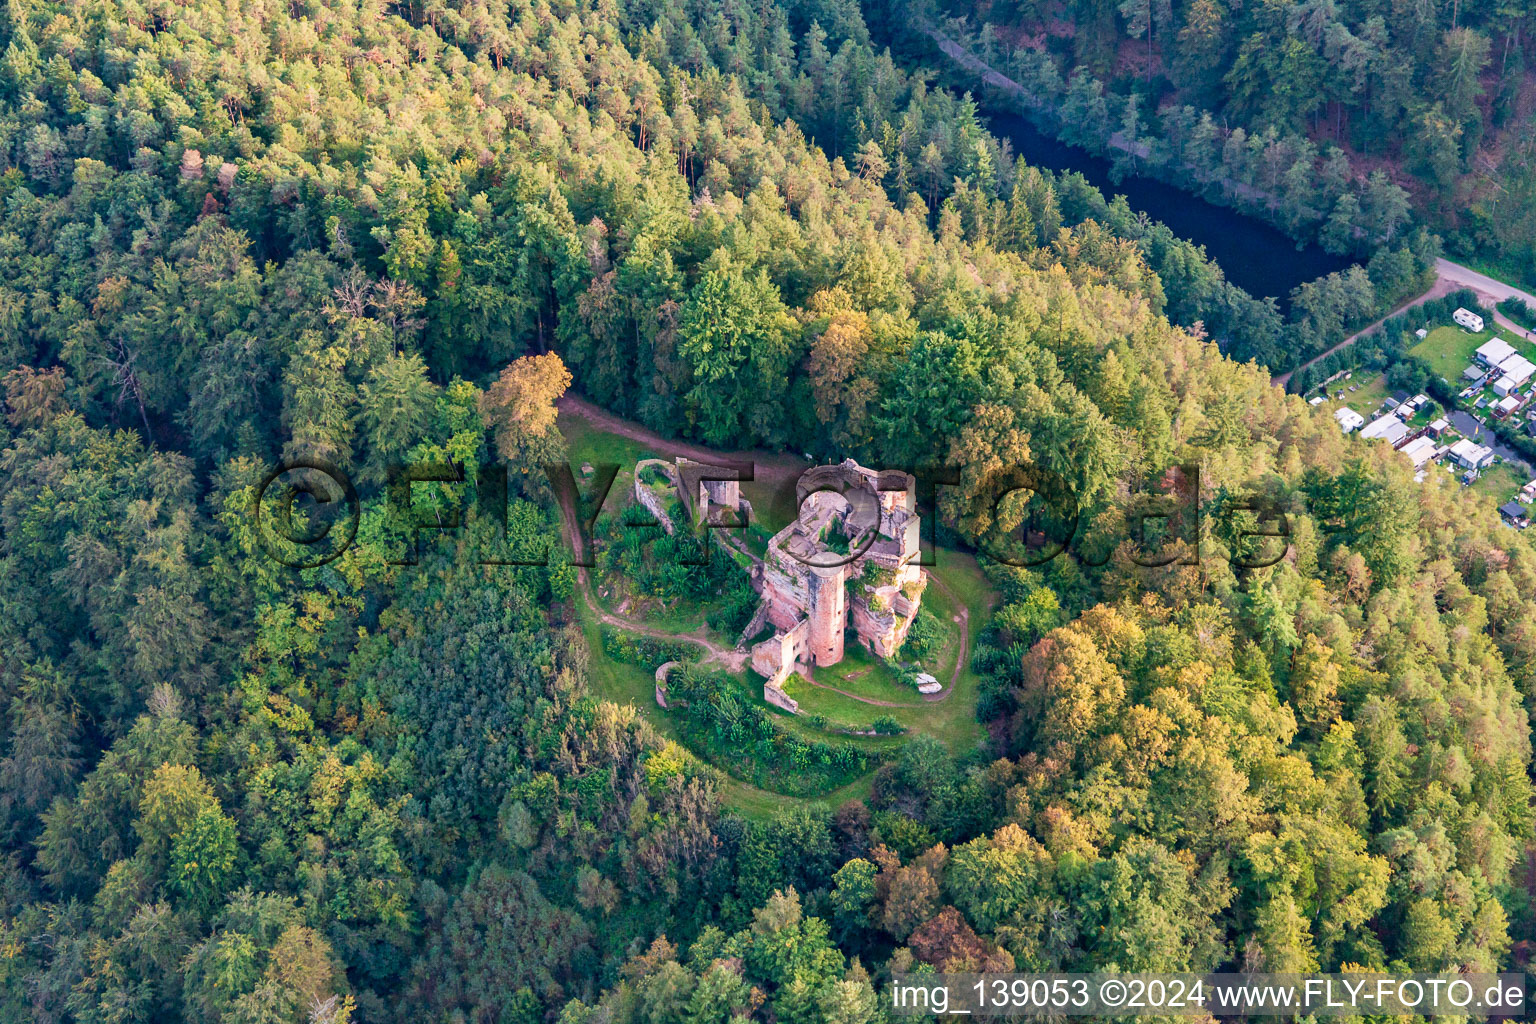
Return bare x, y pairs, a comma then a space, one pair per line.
648, 652
1518, 311
925, 636
727, 728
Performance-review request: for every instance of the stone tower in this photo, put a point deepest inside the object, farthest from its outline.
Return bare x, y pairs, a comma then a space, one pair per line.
827, 610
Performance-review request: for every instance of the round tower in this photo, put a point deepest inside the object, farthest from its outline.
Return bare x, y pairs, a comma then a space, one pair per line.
827, 611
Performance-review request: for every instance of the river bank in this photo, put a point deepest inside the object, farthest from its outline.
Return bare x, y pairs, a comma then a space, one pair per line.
1258, 258
1253, 254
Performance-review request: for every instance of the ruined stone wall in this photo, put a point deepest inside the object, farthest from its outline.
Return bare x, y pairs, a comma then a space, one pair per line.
758, 620
775, 658
784, 588
876, 631
725, 493
648, 498
662, 671
779, 699
883, 632
809, 605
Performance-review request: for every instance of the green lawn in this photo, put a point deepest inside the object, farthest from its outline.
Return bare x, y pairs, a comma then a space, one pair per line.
1448, 350
953, 719
845, 711
962, 574
771, 489
584, 444
772, 494
761, 805
683, 615
1366, 399
974, 593
620, 683
863, 674
1500, 482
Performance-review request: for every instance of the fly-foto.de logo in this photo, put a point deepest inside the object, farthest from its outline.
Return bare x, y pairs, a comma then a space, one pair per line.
307, 511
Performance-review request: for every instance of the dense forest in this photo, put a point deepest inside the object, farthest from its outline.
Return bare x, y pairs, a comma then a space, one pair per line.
1318, 110
233, 790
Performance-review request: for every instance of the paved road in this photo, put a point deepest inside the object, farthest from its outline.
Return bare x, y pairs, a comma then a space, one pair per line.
1490, 291
1448, 277
1487, 287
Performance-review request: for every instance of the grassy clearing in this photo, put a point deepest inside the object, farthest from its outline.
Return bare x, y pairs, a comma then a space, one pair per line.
951, 720
585, 443
684, 615
864, 675
1366, 399
962, 574
1500, 482
771, 489
772, 494
974, 593
858, 717
1448, 350
620, 683
848, 711
761, 805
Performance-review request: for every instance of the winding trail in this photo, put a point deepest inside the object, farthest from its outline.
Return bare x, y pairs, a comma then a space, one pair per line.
964, 619
730, 657
778, 465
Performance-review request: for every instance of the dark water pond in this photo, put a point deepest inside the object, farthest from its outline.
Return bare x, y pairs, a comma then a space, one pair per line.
1255, 256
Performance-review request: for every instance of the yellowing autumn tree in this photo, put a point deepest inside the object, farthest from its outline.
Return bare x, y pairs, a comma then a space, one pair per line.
520, 409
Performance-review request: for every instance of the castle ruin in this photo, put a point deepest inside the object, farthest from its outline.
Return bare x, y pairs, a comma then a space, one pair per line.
850, 555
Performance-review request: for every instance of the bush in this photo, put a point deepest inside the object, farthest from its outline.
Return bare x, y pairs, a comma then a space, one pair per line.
925, 636
1518, 311
885, 725
1385, 347
648, 652
672, 567
1409, 375
730, 730
905, 835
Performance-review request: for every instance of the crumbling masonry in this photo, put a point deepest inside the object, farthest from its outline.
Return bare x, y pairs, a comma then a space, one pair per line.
850, 554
